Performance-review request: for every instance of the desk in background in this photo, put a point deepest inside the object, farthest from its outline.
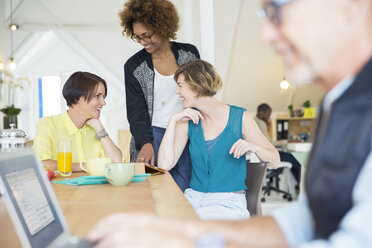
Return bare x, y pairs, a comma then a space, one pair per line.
301, 153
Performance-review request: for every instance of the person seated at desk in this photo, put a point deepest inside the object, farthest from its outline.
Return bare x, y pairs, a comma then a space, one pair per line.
263, 121
219, 135
85, 95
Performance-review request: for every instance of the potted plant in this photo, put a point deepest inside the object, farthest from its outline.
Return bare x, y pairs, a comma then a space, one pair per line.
308, 111
290, 108
10, 111
306, 104
10, 115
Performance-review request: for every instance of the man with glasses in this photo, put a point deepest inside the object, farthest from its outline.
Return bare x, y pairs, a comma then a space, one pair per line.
328, 42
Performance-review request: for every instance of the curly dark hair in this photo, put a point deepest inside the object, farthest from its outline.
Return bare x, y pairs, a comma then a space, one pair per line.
158, 15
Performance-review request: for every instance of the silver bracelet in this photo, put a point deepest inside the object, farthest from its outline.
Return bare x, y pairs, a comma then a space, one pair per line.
101, 134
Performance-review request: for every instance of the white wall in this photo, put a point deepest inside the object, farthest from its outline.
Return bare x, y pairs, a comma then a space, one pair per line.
86, 35
251, 70
2, 32
100, 49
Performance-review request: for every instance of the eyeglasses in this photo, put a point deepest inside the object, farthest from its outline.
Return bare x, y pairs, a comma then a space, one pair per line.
271, 11
146, 38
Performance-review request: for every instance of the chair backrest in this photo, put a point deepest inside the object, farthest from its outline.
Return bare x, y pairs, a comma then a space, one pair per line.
124, 141
255, 176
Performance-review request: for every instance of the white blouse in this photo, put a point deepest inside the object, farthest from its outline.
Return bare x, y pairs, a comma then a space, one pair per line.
166, 101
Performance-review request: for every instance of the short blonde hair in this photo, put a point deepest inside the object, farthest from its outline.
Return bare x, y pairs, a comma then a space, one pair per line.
201, 76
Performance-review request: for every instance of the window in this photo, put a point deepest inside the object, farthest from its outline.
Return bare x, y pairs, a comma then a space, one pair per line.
49, 96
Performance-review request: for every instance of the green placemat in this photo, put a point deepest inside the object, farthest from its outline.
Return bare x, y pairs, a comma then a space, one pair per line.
92, 180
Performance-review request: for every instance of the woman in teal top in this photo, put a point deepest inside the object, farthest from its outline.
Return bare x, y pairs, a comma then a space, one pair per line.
219, 136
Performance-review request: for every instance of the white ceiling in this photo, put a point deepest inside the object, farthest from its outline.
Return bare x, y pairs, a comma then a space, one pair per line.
65, 12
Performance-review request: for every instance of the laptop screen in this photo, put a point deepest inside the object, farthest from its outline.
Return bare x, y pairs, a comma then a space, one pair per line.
31, 201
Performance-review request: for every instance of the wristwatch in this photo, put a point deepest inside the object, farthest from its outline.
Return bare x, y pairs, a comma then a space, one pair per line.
101, 134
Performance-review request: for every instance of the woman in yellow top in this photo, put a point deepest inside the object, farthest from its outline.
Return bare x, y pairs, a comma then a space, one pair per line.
85, 95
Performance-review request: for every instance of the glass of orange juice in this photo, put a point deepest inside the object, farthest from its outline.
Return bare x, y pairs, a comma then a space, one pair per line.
64, 158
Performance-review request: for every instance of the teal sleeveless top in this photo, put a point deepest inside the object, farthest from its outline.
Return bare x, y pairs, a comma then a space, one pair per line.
219, 171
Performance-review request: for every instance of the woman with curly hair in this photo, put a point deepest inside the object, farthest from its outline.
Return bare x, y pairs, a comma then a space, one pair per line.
149, 83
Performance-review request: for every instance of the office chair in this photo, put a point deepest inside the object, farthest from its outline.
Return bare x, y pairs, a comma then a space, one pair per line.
254, 180
272, 182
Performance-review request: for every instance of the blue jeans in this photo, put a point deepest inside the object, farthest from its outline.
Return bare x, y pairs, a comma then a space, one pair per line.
181, 172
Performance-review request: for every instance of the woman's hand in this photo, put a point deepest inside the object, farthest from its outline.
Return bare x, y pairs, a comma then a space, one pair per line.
109, 147
188, 114
240, 147
95, 124
147, 154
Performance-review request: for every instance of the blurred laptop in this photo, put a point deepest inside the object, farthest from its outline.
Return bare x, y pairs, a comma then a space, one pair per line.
31, 203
